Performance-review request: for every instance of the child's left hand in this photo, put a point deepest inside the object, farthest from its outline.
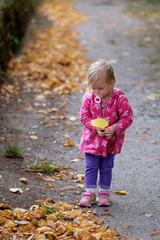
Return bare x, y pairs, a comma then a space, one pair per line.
109, 131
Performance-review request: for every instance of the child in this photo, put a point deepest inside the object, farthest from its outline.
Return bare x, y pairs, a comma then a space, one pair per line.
102, 100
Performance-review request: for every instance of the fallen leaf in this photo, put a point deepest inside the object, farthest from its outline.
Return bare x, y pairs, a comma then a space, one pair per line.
21, 222
48, 125
33, 137
72, 118
69, 143
74, 160
107, 214
154, 234
9, 224
121, 192
80, 185
140, 139
127, 226
153, 141
49, 186
47, 178
16, 190
66, 187
66, 136
79, 157
157, 158
23, 180
4, 206
0, 176
100, 123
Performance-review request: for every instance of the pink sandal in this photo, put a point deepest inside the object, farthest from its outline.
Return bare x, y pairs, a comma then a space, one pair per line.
88, 199
103, 198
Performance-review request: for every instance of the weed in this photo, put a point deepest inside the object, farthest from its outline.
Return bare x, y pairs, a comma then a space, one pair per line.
13, 151
45, 167
49, 210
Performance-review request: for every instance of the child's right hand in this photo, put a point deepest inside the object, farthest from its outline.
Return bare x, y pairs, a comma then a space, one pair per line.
100, 131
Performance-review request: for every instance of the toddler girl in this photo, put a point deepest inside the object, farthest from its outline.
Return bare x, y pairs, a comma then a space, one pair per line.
102, 100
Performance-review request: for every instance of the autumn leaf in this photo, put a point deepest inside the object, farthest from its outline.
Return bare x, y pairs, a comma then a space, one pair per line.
69, 143
80, 185
100, 123
154, 234
140, 139
33, 137
48, 186
16, 190
121, 192
66, 187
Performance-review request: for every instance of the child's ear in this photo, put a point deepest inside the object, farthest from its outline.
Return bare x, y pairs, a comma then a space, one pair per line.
112, 82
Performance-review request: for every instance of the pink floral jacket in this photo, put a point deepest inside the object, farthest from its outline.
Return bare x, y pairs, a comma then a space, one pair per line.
117, 112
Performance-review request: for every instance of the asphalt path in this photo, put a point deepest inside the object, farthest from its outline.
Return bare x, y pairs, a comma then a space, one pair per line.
109, 33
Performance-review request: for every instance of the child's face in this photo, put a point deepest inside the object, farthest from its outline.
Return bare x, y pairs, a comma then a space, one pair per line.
103, 89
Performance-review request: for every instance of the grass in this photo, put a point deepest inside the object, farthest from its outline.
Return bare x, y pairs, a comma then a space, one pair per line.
45, 167
13, 151
50, 210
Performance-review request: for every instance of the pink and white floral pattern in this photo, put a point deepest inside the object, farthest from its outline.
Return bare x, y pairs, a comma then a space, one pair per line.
117, 112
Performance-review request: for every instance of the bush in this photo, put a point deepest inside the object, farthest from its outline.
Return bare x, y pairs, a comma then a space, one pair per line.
14, 17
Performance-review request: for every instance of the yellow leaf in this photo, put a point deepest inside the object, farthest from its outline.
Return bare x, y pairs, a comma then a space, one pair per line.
80, 185
9, 224
33, 137
121, 192
51, 217
98, 235
100, 123
40, 237
48, 125
69, 227
47, 92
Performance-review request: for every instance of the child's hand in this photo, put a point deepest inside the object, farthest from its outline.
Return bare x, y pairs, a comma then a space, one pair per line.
109, 131
100, 131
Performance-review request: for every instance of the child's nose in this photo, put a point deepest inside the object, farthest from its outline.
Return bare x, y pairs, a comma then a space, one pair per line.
97, 92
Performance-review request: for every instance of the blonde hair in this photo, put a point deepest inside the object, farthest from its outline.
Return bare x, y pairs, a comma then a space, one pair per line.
100, 68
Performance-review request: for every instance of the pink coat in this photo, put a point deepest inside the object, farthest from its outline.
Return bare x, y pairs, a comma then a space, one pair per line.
117, 112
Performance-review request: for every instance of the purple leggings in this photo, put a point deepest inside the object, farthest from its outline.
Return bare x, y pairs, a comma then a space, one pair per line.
104, 165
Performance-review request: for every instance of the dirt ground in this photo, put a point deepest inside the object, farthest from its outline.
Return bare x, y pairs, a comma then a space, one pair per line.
108, 33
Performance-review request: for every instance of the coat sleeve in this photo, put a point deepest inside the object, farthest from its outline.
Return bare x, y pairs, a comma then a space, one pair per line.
125, 115
85, 114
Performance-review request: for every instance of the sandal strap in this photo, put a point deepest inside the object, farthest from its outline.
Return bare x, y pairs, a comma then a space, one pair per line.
89, 194
104, 193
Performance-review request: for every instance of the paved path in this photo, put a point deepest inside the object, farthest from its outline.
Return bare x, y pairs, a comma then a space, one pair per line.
110, 34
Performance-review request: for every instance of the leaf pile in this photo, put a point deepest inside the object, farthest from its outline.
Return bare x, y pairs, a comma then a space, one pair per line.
53, 58
52, 220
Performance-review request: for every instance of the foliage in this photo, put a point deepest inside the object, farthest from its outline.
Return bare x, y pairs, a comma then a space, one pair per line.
53, 59
45, 167
52, 220
14, 17
13, 151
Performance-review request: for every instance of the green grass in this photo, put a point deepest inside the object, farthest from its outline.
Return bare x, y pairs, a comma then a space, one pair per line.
13, 151
49, 210
45, 167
